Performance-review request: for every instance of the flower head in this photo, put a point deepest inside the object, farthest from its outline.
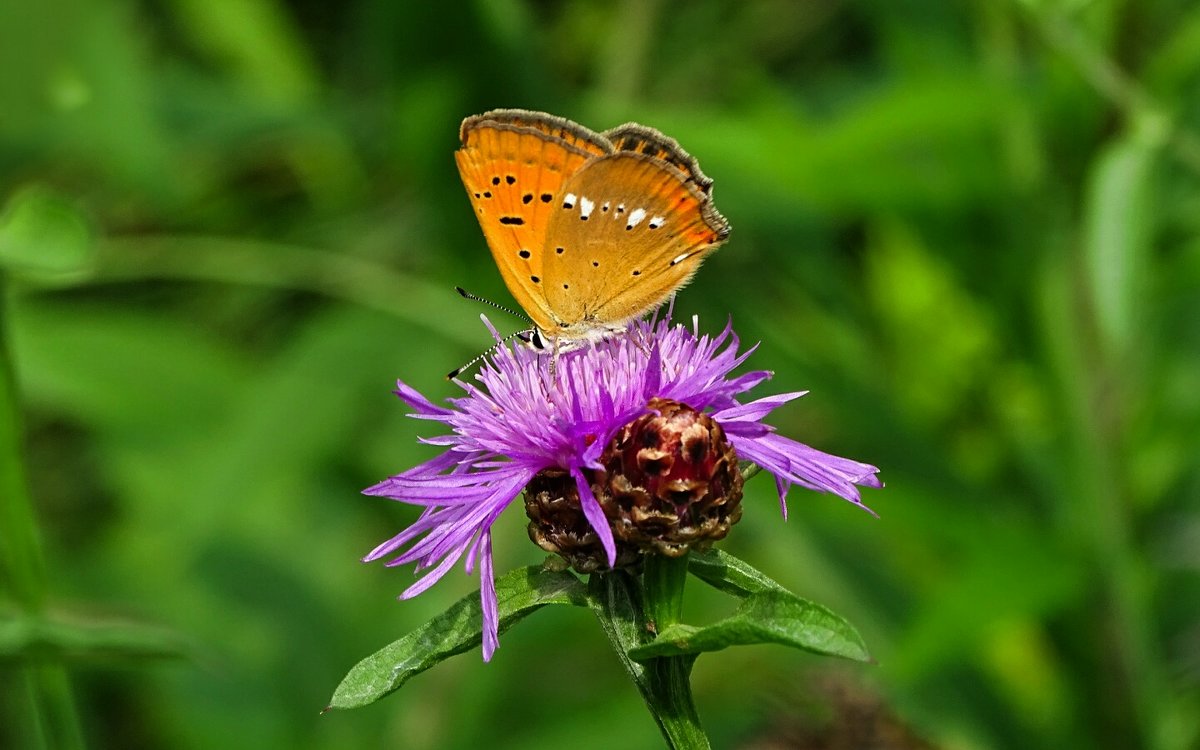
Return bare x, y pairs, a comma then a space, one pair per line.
526, 418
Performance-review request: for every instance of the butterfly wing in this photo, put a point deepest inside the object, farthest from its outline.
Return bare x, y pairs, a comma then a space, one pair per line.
643, 140
632, 229
514, 164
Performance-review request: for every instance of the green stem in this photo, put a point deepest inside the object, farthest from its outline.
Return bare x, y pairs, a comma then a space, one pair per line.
1130, 666
664, 578
628, 612
622, 60
1112, 82
51, 720
20, 543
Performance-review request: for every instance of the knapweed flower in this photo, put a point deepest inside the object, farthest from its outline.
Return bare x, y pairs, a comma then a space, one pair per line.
644, 420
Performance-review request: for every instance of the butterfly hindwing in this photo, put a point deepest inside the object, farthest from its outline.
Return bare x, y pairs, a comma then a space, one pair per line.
631, 230
643, 140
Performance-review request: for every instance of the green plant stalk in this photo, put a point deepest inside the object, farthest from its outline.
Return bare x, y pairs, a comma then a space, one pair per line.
664, 578
20, 541
627, 606
51, 719
1100, 510
1110, 81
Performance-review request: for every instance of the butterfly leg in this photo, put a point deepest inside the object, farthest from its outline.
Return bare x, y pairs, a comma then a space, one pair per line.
554, 361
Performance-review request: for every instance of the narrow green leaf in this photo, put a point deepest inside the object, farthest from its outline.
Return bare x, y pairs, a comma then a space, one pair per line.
727, 573
766, 617
258, 39
42, 233
617, 603
30, 639
1120, 213
456, 630
22, 562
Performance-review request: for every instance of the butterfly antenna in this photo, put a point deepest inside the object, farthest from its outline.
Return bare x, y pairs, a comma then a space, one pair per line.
488, 302
490, 350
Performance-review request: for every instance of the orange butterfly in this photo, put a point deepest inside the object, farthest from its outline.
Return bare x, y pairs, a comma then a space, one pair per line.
589, 230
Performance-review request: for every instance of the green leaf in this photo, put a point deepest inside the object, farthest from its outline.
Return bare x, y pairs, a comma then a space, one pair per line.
456, 630
765, 617
616, 600
44, 234
723, 571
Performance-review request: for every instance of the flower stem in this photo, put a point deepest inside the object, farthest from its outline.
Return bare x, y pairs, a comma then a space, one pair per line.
630, 608
664, 578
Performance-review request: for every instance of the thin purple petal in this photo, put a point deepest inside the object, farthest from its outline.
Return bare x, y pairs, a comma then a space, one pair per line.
595, 516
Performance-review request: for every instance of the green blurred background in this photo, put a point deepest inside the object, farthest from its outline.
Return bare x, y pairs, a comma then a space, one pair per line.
971, 229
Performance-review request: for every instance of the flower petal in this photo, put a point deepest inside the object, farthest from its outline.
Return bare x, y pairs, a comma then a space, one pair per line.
595, 516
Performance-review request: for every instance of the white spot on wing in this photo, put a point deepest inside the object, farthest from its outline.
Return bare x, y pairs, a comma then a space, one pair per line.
569, 200
656, 222
680, 257
636, 217
586, 206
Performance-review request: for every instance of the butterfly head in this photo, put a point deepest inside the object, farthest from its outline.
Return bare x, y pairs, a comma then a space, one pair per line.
569, 337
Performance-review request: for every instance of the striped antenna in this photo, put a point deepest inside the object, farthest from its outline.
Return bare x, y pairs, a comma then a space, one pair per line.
496, 305
492, 349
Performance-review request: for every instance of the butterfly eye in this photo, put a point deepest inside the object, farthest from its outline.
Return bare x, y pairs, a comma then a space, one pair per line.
533, 339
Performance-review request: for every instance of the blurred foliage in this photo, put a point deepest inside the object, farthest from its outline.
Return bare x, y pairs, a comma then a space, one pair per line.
971, 229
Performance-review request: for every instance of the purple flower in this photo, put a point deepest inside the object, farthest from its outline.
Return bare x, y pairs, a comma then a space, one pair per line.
528, 416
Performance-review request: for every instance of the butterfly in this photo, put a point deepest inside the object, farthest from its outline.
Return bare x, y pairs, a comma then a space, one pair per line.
589, 230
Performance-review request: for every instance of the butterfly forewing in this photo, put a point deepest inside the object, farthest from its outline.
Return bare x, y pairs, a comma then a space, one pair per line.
514, 165
631, 229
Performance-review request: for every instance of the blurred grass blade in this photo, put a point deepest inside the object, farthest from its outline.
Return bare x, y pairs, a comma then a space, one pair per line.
258, 40
43, 234
456, 630
765, 617
1118, 229
36, 639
